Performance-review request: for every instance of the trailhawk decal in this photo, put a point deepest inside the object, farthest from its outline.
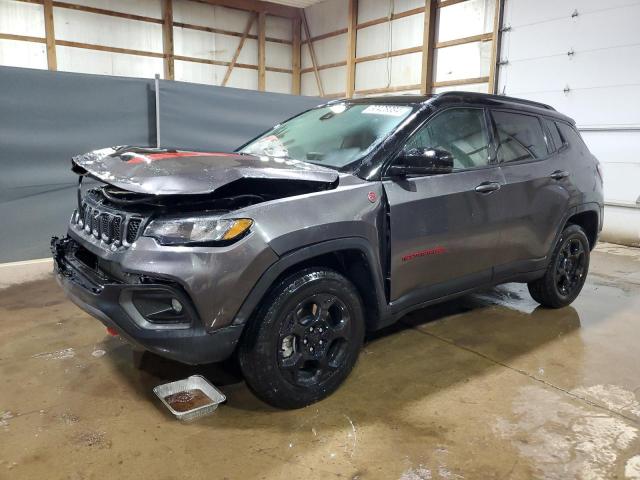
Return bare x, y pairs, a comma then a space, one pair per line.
439, 250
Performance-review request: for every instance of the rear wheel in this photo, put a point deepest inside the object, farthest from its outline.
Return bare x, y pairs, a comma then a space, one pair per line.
304, 340
567, 270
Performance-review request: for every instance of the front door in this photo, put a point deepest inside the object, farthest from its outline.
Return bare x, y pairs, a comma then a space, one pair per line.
443, 227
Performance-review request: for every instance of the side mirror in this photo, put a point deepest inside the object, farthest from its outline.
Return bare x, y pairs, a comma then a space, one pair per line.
422, 161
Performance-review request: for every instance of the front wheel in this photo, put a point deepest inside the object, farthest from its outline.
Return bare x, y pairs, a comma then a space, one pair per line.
304, 340
567, 270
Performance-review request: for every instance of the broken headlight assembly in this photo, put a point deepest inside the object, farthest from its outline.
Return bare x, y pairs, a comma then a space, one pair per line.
200, 230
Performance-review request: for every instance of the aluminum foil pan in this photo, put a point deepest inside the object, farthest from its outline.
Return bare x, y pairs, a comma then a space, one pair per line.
184, 398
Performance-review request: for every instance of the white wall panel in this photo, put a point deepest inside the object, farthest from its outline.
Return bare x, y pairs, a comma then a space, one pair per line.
198, 72
194, 43
278, 27
77, 26
146, 8
278, 82
234, 20
327, 16
405, 32
243, 78
468, 60
213, 46
472, 87
21, 18
214, 74
328, 50
308, 85
106, 63
23, 54
333, 81
373, 9
278, 55
395, 72
186, 11
465, 19
226, 46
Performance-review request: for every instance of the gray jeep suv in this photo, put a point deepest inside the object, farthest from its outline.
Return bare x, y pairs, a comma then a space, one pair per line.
334, 223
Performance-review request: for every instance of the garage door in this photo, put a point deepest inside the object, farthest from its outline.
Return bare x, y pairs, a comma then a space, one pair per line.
581, 56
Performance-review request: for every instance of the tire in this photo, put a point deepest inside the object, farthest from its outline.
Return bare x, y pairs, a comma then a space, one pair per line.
566, 272
304, 339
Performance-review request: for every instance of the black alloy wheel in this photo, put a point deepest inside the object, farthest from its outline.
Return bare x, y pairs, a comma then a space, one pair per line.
304, 339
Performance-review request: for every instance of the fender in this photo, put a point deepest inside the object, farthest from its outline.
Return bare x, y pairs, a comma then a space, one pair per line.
308, 252
584, 207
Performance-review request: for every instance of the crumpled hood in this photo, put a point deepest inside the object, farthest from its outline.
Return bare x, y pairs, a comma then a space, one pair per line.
162, 172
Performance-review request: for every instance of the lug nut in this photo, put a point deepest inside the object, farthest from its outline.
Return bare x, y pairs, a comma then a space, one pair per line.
304, 341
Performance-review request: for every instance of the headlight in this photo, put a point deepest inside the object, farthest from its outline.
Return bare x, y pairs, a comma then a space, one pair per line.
196, 230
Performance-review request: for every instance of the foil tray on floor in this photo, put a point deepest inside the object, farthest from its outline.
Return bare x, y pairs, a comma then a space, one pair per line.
191, 398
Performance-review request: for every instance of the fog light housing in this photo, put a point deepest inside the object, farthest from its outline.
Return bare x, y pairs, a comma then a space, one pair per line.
176, 305
160, 307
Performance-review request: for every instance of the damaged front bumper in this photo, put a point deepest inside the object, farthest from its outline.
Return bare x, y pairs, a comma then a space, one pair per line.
156, 315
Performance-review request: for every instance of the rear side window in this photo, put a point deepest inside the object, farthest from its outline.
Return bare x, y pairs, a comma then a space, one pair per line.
556, 138
520, 137
570, 136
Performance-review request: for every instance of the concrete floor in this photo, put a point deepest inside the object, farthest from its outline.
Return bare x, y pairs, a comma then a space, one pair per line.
488, 386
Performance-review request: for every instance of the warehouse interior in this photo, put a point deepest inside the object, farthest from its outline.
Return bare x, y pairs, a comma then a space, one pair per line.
486, 385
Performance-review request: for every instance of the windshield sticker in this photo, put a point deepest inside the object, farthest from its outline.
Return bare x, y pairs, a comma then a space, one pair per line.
391, 110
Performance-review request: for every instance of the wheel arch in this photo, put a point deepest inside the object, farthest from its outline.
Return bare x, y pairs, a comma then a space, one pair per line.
353, 257
589, 221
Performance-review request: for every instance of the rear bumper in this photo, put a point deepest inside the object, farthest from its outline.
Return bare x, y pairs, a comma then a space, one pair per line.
109, 300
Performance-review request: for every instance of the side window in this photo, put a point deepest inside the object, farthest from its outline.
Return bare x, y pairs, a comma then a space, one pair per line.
520, 137
558, 142
570, 136
461, 132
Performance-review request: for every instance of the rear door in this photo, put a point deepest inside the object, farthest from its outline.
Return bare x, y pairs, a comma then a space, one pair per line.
535, 192
443, 227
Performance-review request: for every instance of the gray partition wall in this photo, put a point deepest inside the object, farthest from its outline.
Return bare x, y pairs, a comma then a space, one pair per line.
47, 117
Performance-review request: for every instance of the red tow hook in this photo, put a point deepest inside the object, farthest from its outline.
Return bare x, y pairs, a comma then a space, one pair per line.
112, 331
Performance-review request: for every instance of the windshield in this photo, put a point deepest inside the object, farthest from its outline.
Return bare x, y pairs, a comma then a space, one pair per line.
332, 136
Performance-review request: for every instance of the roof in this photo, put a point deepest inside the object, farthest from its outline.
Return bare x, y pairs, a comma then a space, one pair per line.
455, 97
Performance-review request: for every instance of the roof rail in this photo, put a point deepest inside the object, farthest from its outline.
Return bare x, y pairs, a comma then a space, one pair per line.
502, 98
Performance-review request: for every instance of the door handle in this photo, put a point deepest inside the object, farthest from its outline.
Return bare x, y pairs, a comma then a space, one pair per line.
488, 187
559, 174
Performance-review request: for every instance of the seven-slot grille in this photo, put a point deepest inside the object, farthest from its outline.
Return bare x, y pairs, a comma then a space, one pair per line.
117, 228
